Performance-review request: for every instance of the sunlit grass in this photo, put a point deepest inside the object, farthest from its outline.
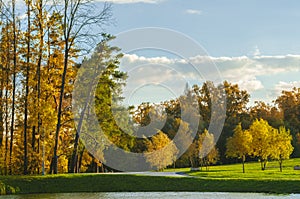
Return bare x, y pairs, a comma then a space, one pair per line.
253, 171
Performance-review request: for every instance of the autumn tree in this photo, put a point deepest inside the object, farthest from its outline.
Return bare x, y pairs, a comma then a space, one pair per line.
239, 145
236, 101
272, 114
262, 141
160, 151
282, 146
227, 98
27, 79
207, 151
6, 55
14, 79
289, 103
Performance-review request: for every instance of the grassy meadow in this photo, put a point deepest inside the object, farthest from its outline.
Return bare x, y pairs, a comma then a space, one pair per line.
224, 178
252, 171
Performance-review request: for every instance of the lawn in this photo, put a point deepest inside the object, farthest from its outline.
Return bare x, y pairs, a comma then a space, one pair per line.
253, 171
227, 178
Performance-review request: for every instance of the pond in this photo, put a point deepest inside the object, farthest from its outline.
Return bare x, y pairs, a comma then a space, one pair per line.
156, 195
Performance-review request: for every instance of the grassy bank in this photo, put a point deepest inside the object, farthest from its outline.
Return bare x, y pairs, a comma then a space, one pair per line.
219, 179
115, 183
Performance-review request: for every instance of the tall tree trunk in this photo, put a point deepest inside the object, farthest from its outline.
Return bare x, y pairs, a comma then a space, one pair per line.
27, 88
39, 63
6, 106
2, 105
78, 129
13, 87
33, 138
2, 84
59, 112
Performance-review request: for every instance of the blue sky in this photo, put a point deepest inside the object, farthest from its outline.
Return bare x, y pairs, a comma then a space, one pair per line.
253, 43
224, 28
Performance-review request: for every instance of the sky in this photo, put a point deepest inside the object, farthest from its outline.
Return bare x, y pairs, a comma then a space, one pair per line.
253, 43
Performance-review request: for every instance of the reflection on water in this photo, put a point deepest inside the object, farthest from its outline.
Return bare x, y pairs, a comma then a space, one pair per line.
156, 195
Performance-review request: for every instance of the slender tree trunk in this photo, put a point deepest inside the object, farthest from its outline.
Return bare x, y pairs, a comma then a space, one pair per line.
280, 165
80, 160
38, 151
27, 88
2, 104
2, 84
6, 151
243, 162
76, 165
264, 164
13, 88
78, 129
62, 90
6, 106
33, 138
39, 63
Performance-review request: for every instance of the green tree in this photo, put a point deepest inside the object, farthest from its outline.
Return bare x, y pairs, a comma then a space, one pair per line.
103, 65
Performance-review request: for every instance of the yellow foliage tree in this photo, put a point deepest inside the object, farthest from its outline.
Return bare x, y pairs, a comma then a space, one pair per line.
161, 151
239, 145
207, 151
262, 142
282, 148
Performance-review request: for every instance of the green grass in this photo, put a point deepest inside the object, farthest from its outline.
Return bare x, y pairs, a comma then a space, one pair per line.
227, 178
253, 171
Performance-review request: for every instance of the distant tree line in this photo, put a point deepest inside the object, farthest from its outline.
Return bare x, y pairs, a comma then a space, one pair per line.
260, 132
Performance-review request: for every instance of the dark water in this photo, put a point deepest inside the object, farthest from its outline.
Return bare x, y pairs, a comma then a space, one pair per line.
156, 195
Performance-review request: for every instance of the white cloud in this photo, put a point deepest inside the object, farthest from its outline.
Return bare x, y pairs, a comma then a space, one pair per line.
133, 58
193, 12
249, 73
131, 1
250, 85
